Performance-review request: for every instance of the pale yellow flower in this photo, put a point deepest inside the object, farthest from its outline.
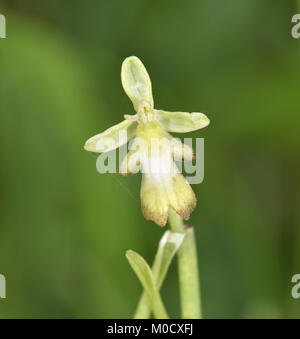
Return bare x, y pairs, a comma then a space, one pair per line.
153, 149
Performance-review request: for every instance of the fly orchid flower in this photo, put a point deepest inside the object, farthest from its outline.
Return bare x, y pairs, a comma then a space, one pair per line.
153, 150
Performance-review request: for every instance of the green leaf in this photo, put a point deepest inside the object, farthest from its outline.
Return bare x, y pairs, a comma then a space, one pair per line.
144, 273
181, 122
168, 246
136, 82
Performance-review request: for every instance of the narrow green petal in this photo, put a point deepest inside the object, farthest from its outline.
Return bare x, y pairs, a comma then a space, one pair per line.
112, 138
136, 83
181, 122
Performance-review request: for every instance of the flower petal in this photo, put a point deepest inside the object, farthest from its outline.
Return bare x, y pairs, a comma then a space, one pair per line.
154, 200
136, 82
132, 162
112, 138
181, 122
183, 199
160, 194
182, 152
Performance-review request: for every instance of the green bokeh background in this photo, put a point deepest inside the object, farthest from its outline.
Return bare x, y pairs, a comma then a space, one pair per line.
64, 228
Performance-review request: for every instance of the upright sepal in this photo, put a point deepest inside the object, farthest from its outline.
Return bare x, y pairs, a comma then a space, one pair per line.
136, 83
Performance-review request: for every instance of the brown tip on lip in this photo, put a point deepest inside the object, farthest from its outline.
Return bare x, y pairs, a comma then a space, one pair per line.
160, 223
124, 175
159, 219
187, 226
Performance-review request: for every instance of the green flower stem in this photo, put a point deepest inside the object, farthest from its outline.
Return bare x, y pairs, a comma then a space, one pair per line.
188, 269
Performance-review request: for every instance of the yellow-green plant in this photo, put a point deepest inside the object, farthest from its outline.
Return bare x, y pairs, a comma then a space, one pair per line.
164, 192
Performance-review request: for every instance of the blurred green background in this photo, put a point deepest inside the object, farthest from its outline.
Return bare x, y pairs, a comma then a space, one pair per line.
64, 228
